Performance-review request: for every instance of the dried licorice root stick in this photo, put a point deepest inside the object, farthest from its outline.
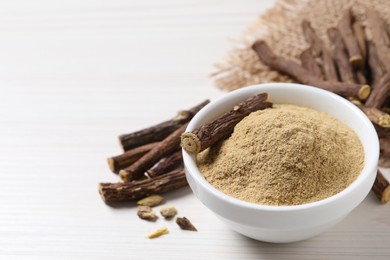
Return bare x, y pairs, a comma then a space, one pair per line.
358, 31
380, 92
170, 163
360, 76
376, 68
128, 191
294, 70
340, 55
381, 187
376, 27
350, 41
384, 144
377, 31
160, 131
166, 147
383, 133
384, 161
309, 62
376, 116
119, 162
222, 127
320, 50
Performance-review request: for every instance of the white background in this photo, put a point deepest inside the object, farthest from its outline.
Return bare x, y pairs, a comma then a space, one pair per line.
76, 74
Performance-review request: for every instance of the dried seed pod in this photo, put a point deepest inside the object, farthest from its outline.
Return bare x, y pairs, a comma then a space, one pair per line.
151, 201
168, 212
158, 232
185, 224
146, 212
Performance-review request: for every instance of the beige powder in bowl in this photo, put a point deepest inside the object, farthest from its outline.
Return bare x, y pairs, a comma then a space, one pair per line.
285, 155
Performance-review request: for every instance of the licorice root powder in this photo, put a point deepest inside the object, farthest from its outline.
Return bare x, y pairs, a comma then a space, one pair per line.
285, 155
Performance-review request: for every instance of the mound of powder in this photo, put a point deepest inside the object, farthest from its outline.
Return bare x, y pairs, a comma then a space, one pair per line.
285, 155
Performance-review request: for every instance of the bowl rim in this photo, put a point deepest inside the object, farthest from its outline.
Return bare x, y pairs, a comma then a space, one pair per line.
369, 166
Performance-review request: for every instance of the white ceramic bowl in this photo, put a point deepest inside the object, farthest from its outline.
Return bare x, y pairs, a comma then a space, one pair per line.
281, 224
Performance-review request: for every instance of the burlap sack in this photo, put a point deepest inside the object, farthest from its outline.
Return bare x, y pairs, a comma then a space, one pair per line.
281, 28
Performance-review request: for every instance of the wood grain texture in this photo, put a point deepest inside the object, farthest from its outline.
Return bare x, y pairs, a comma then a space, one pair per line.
73, 76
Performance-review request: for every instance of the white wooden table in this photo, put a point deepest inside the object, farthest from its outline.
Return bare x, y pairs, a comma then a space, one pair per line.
76, 74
